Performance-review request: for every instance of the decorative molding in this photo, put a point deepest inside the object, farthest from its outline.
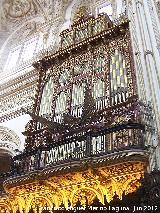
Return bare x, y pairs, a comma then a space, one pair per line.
17, 12
17, 93
9, 140
100, 182
148, 52
19, 82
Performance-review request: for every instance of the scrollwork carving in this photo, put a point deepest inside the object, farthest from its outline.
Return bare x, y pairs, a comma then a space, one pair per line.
104, 181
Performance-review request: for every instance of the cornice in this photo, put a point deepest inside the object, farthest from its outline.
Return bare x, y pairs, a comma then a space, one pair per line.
20, 82
16, 79
17, 93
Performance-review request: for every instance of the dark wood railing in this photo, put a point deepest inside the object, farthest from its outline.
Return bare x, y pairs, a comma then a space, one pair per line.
123, 129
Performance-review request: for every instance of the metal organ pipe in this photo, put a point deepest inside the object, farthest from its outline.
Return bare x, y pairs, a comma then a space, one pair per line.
60, 106
77, 100
119, 82
99, 93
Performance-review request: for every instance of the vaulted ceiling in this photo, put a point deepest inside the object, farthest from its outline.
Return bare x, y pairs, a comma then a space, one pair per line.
14, 13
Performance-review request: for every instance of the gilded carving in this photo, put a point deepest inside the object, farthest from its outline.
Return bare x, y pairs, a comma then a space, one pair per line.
74, 186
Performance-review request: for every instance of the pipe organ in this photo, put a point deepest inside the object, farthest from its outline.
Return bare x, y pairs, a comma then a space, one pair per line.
93, 126
119, 82
77, 99
99, 94
47, 97
97, 75
60, 107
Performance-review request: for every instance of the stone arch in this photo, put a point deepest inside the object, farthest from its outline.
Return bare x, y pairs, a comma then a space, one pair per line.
9, 141
91, 193
9, 144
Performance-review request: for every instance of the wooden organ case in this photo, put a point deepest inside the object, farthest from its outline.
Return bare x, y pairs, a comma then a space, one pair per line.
88, 129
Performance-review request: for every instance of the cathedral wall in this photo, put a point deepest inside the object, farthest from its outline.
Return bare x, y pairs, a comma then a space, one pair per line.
145, 39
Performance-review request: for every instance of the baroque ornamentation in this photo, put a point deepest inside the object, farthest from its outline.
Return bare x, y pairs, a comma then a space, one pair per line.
82, 12
87, 133
18, 9
9, 141
80, 8
119, 179
14, 95
60, 7
16, 12
8, 135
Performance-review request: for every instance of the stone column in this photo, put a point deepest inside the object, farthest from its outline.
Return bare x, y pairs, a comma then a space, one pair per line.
139, 63
149, 59
145, 60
